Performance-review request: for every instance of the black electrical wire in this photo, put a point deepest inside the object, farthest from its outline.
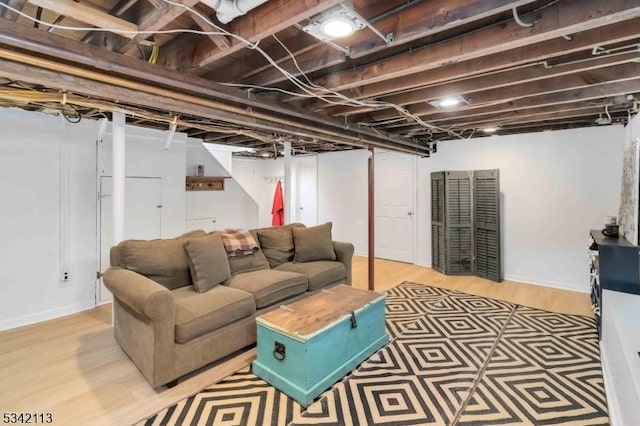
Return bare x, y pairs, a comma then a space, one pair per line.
72, 119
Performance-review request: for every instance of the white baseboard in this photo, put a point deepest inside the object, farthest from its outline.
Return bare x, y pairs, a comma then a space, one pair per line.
545, 283
43, 316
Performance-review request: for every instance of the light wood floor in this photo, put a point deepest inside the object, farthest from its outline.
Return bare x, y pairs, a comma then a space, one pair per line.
73, 368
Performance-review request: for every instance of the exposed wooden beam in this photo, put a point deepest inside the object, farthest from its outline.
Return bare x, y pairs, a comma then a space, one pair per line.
158, 4
262, 22
418, 21
538, 52
89, 15
10, 14
567, 112
607, 90
495, 80
155, 98
621, 72
156, 19
514, 116
253, 64
91, 57
219, 40
559, 19
183, 87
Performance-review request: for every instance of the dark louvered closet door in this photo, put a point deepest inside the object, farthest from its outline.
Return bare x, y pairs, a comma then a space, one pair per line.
438, 245
487, 224
458, 223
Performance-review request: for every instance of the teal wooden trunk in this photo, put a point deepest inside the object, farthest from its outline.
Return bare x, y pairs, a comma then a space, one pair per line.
313, 362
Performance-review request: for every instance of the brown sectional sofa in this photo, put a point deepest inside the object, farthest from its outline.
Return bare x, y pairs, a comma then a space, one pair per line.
169, 329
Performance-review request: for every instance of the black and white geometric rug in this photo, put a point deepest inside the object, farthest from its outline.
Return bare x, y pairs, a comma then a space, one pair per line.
454, 359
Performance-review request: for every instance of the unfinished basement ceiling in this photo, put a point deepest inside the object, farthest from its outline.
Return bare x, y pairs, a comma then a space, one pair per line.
516, 66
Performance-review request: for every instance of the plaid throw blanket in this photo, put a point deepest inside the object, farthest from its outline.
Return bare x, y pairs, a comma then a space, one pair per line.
239, 243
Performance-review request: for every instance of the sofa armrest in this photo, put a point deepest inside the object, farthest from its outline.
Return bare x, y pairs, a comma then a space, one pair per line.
146, 297
344, 254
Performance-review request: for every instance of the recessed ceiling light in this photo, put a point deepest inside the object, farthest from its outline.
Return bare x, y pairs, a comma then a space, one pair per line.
450, 102
447, 102
491, 129
339, 21
338, 27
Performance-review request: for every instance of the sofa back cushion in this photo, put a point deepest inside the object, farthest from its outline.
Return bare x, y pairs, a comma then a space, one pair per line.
207, 261
248, 263
165, 261
277, 245
313, 243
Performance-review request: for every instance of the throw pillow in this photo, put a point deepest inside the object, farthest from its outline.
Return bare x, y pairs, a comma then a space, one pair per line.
313, 243
277, 245
162, 260
207, 261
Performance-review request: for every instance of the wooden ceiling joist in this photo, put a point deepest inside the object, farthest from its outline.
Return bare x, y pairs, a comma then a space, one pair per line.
627, 70
558, 73
10, 14
515, 116
71, 50
155, 20
220, 40
600, 91
262, 22
520, 75
415, 22
561, 18
89, 15
538, 52
167, 101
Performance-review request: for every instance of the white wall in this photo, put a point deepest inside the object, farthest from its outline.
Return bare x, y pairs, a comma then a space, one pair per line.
30, 181
555, 187
146, 157
231, 208
30, 253
343, 196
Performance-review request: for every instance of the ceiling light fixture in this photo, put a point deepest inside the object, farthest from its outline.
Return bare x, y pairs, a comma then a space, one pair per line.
490, 129
337, 22
447, 102
338, 27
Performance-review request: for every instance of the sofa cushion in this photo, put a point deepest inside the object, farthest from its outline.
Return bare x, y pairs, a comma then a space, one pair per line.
270, 286
320, 273
164, 260
207, 261
277, 245
199, 313
313, 243
248, 263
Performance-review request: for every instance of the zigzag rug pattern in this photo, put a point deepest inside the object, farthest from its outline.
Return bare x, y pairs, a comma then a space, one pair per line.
454, 358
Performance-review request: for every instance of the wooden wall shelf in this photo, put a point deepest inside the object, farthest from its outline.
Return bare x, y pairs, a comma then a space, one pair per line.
204, 183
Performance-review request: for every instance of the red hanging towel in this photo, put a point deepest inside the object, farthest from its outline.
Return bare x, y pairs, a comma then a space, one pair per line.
278, 207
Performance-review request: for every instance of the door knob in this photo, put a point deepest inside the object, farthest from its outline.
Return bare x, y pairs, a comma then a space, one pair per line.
409, 213
301, 208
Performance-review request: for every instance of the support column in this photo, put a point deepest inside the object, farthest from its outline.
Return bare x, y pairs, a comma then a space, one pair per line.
372, 258
287, 183
118, 176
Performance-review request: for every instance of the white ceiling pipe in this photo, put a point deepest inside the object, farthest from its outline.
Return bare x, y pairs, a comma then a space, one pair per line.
228, 10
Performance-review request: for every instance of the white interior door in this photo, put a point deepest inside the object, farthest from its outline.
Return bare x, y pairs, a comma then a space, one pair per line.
394, 206
306, 196
143, 213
